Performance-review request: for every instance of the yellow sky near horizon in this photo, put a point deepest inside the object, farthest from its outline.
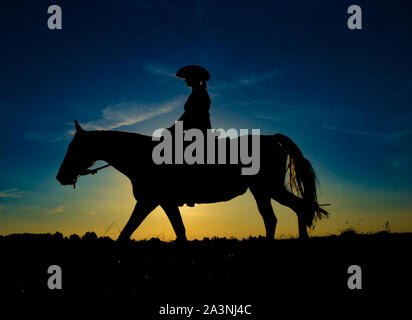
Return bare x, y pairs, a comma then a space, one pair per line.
91, 208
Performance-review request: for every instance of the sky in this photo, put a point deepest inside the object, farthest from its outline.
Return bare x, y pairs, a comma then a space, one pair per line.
293, 67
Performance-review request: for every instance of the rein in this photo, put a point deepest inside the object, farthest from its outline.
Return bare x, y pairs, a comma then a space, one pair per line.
93, 171
90, 171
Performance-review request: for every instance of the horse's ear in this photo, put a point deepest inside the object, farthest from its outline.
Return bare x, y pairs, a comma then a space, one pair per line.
77, 126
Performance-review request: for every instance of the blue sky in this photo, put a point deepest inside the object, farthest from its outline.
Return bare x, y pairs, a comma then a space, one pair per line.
282, 66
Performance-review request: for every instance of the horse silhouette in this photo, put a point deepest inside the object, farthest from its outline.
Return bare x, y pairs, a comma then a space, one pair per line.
172, 185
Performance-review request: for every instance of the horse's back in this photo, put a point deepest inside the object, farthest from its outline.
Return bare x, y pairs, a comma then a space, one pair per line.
207, 182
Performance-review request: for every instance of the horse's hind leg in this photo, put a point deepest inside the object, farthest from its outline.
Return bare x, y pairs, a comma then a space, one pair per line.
284, 197
173, 213
266, 211
140, 212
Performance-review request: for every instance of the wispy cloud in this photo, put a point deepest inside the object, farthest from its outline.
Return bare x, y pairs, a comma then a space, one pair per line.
249, 79
91, 212
255, 103
158, 69
286, 120
12, 193
390, 135
254, 78
59, 209
245, 79
113, 117
129, 113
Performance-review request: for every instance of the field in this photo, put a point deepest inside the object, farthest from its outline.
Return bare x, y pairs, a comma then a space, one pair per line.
212, 271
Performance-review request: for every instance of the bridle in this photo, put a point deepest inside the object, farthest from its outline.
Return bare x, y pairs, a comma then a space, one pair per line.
89, 171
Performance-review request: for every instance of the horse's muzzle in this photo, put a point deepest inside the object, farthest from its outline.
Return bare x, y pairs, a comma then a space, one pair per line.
65, 181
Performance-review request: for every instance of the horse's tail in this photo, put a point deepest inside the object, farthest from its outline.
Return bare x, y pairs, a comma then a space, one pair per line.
302, 179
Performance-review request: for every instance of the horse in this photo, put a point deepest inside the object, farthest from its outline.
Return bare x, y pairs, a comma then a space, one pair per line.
170, 186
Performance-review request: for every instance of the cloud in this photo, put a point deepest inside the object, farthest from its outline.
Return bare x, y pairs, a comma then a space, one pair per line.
1, 208
250, 79
287, 120
254, 78
246, 79
255, 103
129, 113
390, 135
59, 209
158, 69
12, 193
113, 117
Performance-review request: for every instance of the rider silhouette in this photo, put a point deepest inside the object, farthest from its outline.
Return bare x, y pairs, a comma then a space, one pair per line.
197, 106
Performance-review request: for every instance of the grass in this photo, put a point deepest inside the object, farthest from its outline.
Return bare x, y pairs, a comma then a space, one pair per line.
218, 267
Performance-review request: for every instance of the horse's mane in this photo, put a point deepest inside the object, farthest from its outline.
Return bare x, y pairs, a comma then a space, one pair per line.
117, 138
116, 134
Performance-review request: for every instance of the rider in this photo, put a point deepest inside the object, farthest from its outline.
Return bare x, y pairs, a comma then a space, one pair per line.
197, 106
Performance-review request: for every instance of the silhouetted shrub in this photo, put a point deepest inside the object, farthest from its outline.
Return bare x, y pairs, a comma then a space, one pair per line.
74, 237
57, 236
349, 232
89, 236
105, 239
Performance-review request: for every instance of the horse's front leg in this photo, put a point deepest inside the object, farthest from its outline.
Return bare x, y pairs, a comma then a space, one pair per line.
140, 212
173, 213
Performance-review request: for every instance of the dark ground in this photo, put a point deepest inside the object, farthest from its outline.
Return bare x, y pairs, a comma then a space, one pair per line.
152, 273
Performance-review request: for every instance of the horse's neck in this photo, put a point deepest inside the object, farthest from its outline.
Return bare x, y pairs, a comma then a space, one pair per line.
119, 149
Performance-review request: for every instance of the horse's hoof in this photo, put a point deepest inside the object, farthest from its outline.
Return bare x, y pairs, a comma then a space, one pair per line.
181, 241
122, 239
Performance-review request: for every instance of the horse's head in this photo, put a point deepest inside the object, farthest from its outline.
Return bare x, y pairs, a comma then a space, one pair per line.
77, 159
